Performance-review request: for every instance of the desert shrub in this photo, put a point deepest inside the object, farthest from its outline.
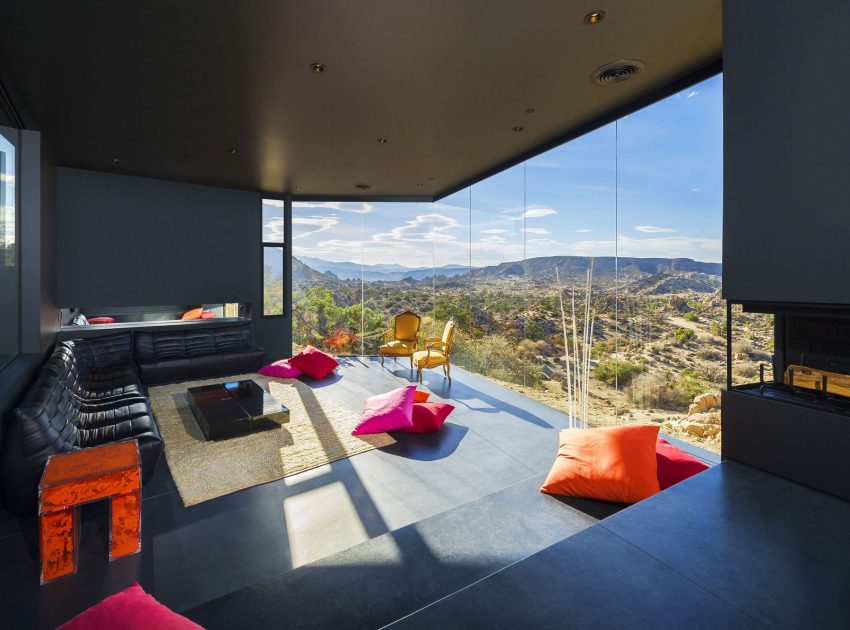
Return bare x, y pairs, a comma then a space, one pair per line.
496, 357
648, 391
709, 354
743, 347
746, 370
718, 329
712, 373
616, 371
690, 383
691, 316
683, 335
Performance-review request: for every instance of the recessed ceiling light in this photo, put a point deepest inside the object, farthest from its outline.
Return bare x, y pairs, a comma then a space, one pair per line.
233, 151
115, 161
517, 129
419, 185
362, 186
383, 140
594, 17
317, 68
298, 188
530, 110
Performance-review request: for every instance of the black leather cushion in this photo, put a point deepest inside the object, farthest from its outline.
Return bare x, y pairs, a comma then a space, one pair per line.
194, 352
81, 398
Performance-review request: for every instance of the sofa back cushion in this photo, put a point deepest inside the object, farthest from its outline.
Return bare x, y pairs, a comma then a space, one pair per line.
192, 342
101, 352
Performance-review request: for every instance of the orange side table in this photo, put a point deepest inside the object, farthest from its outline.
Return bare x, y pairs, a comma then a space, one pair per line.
70, 479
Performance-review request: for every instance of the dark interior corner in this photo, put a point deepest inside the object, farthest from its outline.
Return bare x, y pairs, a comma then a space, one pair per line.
192, 191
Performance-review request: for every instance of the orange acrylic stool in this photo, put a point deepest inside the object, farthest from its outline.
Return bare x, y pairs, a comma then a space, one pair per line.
70, 479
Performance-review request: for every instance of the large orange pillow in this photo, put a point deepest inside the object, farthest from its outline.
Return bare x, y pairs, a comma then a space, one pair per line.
611, 464
195, 313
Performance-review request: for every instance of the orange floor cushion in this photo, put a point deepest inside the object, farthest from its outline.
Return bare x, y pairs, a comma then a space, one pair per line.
615, 464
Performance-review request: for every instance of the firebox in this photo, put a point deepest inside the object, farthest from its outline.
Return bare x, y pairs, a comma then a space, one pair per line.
793, 419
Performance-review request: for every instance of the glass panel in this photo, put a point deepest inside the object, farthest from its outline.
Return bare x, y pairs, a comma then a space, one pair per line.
570, 227
9, 277
330, 242
272, 281
671, 315
272, 221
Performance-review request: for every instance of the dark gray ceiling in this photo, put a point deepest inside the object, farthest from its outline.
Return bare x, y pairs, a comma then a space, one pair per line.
169, 86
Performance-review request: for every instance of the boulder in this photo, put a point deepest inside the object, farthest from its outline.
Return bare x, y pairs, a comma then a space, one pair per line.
704, 403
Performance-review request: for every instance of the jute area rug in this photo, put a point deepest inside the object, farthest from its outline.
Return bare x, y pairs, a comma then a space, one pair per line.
318, 432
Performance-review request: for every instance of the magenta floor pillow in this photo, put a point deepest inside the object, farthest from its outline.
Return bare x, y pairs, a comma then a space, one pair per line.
314, 363
429, 417
392, 411
131, 609
674, 464
280, 369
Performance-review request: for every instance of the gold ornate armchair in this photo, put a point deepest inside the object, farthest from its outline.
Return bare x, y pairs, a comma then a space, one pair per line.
403, 339
437, 352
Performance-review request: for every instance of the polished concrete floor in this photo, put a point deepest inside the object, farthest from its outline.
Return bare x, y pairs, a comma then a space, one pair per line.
450, 530
480, 475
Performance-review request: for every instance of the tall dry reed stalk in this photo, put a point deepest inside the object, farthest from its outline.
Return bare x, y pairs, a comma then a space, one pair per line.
578, 366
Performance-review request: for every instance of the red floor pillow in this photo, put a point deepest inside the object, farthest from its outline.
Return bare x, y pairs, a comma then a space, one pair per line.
429, 417
94, 321
131, 609
314, 363
674, 464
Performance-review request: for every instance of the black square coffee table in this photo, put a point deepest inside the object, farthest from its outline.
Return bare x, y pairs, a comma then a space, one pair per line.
226, 410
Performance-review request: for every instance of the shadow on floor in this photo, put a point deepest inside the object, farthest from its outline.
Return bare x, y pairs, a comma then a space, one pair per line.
427, 447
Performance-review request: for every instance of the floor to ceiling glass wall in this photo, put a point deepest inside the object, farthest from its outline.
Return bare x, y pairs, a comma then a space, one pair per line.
589, 273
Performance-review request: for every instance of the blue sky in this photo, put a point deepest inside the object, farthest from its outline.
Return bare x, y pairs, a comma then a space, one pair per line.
667, 187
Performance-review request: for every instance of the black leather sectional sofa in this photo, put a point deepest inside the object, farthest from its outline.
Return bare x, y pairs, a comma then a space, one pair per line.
185, 354
92, 392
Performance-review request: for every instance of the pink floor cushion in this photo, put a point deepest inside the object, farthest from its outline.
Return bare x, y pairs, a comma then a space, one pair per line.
314, 363
429, 417
392, 411
208, 315
674, 464
280, 369
131, 609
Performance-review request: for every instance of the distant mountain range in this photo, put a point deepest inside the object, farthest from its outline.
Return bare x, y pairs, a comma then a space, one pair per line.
389, 273
575, 267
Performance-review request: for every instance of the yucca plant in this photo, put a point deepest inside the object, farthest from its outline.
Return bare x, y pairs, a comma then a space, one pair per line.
578, 367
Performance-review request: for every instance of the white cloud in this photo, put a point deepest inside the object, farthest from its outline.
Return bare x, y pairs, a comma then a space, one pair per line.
652, 229
692, 94
539, 231
424, 228
494, 231
341, 206
322, 223
694, 189
534, 213
493, 239
703, 249
582, 230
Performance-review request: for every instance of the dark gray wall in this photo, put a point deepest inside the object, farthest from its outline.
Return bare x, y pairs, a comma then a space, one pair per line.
39, 313
786, 151
134, 241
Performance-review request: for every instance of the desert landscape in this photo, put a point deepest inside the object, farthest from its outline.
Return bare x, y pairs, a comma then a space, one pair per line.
659, 332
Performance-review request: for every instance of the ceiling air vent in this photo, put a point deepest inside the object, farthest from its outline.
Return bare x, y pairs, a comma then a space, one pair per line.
616, 72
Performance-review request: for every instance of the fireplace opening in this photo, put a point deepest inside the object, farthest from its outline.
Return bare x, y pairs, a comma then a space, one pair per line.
810, 360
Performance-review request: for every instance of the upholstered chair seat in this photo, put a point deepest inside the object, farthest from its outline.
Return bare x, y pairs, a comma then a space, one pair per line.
402, 340
437, 352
